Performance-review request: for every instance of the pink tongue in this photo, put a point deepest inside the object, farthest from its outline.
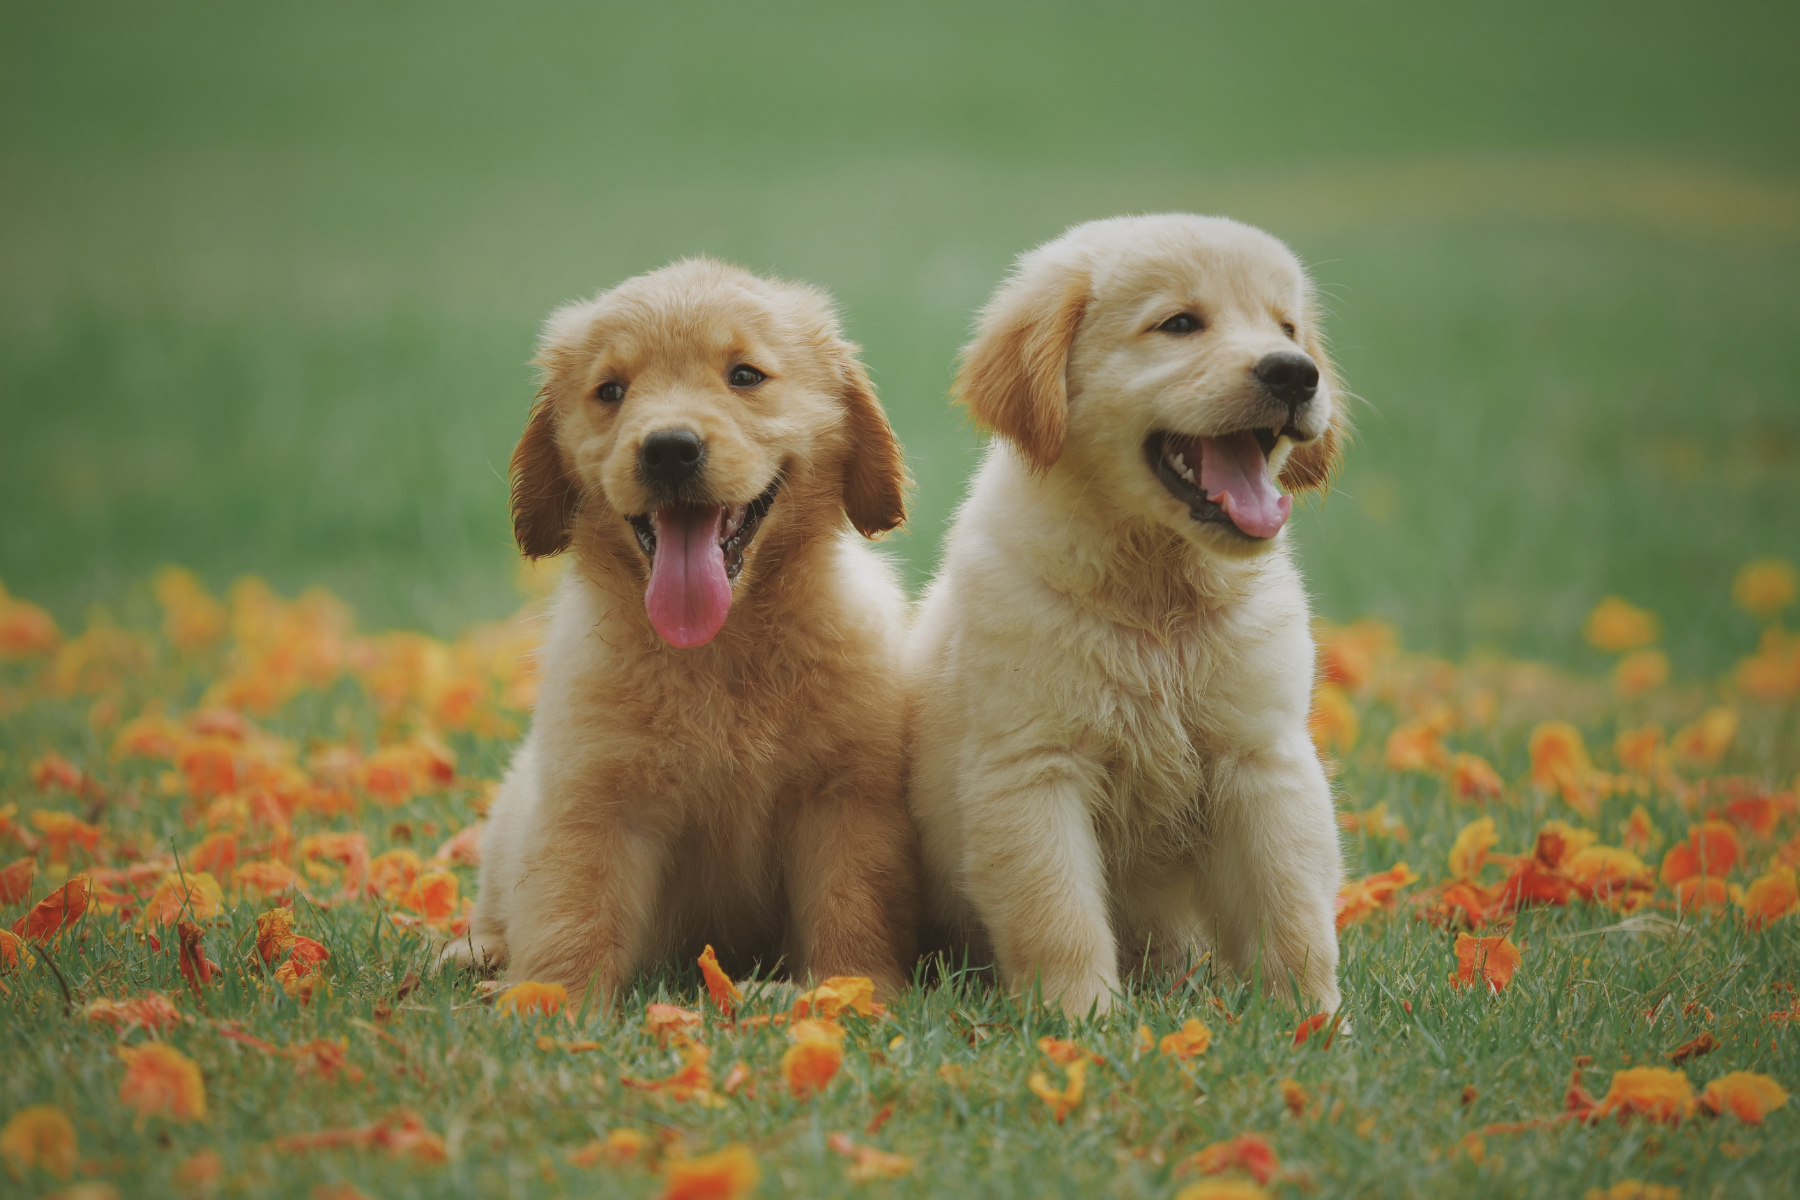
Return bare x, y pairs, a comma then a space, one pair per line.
688, 595
1235, 475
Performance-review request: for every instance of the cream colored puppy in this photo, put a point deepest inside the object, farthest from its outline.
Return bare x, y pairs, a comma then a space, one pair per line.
1112, 672
717, 751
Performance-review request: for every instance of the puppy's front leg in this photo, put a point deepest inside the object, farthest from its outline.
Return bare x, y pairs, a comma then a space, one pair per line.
852, 880
1271, 873
1033, 869
585, 903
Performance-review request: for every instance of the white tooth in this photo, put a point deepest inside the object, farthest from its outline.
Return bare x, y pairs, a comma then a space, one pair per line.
1179, 463
1189, 476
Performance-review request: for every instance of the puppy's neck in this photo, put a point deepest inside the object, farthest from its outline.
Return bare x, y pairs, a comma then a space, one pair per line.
1134, 571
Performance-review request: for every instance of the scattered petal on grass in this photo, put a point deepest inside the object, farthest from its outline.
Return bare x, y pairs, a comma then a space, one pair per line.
1634, 1189
1062, 1051
670, 1023
1222, 1189
1417, 746
1705, 739
814, 1058
55, 912
13, 952
1294, 1096
1745, 1094
274, 933
1372, 893
1694, 1047
533, 999
726, 1174
1616, 625
1310, 1026
152, 1011
1711, 848
1473, 778
1771, 897
1765, 586
161, 1081
1639, 672
433, 895
1247, 1152
856, 992
620, 1148
1192, 1039
1654, 1092
724, 992
402, 1134
1471, 847
41, 1136
1492, 959
182, 896
1062, 1100
15, 880
868, 1163
200, 1173
693, 1081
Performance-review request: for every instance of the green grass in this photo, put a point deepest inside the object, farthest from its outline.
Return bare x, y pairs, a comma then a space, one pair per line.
1386, 1117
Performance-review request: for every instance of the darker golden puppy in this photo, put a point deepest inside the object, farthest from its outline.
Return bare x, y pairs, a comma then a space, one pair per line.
716, 754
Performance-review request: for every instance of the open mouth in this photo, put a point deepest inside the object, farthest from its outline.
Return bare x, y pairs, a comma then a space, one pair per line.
695, 551
1225, 479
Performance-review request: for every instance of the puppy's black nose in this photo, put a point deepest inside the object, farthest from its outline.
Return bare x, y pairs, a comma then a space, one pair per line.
670, 456
1289, 376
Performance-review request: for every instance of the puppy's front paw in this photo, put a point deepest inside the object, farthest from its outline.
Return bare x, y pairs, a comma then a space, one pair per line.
473, 953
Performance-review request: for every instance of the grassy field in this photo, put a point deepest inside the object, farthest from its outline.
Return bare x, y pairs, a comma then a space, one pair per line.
364, 763
269, 282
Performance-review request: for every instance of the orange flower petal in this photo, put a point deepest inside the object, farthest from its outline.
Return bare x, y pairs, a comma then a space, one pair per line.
40, 1136
814, 1058
1654, 1092
724, 993
55, 912
1745, 1094
727, 1174
162, 1081
525, 999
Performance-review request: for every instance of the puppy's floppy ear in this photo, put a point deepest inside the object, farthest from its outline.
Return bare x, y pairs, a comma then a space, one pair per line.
544, 496
1310, 467
1012, 376
875, 479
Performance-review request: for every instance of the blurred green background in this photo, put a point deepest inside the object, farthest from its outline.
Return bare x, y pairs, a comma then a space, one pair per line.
270, 275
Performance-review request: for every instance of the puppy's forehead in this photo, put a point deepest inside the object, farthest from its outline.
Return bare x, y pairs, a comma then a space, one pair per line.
1195, 258
697, 311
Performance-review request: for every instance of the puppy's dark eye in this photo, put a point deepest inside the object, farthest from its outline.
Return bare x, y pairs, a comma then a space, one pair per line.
1287, 327
610, 392
1181, 323
746, 376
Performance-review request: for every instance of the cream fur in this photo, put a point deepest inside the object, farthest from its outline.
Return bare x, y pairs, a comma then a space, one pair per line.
746, 793
1111, 763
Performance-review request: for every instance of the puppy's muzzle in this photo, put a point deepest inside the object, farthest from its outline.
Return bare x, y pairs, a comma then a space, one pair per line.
670, 458
1290, 378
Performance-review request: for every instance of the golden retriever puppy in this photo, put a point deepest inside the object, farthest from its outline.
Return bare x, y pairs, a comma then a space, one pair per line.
1113, 669
716, 754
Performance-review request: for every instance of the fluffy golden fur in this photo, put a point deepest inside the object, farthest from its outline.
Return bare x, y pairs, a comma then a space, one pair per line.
747, 792
1111, 764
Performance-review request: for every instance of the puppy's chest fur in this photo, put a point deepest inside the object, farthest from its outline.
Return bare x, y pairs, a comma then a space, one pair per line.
1159, 713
